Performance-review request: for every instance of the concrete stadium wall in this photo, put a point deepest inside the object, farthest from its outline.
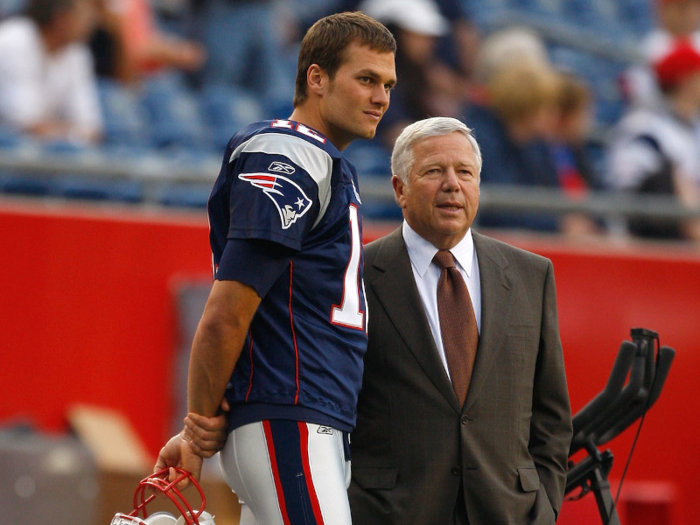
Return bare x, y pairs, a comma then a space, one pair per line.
87, 315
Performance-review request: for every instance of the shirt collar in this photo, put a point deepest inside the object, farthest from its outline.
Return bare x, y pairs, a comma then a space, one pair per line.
421, 252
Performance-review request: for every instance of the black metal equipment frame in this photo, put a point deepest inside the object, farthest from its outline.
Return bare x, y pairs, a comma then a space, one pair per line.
612, 411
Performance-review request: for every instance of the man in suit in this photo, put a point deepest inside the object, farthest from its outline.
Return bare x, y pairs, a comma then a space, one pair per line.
436, 443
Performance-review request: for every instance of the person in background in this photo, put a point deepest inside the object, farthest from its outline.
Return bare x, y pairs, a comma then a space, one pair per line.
674, 19
246, 46
107, 45
128, 44
505, 48
567, 147
513, 125
47, 83
654, 150
417, 25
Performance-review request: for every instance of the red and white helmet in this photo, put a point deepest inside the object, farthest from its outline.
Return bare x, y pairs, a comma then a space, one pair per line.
158, 484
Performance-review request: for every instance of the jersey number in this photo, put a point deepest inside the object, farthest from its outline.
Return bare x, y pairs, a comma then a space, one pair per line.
349, 313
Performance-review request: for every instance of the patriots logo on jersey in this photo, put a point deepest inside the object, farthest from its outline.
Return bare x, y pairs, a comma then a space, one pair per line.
290, 200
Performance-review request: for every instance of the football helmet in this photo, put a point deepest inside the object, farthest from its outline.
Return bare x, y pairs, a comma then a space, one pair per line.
158, 484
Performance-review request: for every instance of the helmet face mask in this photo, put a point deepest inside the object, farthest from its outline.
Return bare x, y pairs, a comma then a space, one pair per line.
125, 519
158, 484
157, 518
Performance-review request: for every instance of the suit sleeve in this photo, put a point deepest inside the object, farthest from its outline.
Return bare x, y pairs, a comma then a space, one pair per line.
550, 430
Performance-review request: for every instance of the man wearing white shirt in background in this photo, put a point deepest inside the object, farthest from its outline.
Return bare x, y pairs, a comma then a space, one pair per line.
47, 83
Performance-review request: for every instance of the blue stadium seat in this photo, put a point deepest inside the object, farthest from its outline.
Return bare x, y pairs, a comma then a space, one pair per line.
370, 158
277, 108
9, 138
125, 121
542, 9
637, 16
381, 211
483, 12
185, 196
569, 59
20, 184
11, 7
116, 152
94, 188
174, 113
226, 110
601, 16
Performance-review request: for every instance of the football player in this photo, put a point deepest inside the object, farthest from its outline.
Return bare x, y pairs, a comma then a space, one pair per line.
283, 332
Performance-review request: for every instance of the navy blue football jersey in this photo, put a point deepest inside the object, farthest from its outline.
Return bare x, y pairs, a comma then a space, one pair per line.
284, 183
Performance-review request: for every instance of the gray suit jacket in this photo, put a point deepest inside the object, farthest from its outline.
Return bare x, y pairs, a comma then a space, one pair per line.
509, 443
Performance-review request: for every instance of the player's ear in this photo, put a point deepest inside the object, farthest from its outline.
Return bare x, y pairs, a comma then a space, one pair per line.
316, 79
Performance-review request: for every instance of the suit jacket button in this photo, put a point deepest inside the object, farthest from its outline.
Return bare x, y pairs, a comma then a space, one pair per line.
465, 420
457, 471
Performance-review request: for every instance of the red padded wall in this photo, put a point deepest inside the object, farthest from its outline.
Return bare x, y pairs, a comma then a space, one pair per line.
87, 315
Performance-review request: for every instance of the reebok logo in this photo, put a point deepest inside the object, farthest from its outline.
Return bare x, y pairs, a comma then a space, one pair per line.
325, 430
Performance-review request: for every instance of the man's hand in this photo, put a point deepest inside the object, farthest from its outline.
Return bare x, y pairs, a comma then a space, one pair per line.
191, 462
201, 438
170, 454
207, 435
178, 452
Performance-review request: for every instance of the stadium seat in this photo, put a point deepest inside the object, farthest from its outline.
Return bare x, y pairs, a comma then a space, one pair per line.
225, 110
542, 9
483, 12
369, 158
9, 138
276, 108
11, 7
12, 183
173, 112
184, 196
637, 17
125, 121
92, 188
599, 15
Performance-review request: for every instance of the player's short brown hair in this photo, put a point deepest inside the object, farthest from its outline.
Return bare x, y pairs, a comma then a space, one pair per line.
325, 42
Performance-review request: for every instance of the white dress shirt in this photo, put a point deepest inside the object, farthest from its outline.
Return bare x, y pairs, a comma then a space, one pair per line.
427, 275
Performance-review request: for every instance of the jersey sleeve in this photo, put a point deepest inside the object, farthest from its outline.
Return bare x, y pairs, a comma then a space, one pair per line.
280, 188
255, 263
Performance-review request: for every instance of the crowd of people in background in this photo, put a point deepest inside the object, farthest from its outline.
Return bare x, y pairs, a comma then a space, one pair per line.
533, 120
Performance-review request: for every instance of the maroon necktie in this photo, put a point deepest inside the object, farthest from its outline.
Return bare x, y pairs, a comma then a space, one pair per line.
460, 335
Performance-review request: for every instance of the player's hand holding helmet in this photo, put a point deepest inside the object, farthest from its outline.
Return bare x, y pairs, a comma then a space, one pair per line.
158, 484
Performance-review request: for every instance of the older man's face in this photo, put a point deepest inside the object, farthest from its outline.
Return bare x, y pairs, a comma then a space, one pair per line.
442, 195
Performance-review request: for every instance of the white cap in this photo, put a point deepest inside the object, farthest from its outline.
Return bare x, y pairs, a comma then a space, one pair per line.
418, 16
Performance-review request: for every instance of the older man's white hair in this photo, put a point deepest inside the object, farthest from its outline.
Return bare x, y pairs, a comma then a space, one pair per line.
402, 158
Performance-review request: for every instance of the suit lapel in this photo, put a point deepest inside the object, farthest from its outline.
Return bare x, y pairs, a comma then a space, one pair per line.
396, 290
495, 308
